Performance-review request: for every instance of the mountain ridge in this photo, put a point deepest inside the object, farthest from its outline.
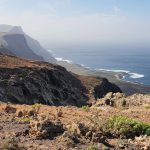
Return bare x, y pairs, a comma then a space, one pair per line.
32, 48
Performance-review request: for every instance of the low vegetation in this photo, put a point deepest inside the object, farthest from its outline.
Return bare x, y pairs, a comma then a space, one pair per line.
147, 106
126, 127
86, 108
92, 147
24, 120
36, 108
13, 145
87, 128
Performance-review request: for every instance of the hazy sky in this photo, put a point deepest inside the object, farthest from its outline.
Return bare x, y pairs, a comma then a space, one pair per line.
56, 23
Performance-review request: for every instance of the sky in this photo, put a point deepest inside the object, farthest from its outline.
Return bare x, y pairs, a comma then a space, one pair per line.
64, 23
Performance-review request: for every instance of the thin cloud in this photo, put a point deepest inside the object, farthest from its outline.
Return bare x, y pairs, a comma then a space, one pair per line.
51, 28
116, 9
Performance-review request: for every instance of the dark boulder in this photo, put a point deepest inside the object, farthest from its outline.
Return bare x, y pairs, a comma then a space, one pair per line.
105, 87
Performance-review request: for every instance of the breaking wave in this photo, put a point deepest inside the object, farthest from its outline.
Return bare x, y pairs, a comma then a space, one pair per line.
65, 60
124, 73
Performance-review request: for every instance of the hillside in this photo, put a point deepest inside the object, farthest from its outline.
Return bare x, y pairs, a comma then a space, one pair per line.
29, 82
39, 127
5, 51
17, 44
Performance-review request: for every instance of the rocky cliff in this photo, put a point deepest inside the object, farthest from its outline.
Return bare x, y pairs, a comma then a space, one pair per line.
4, 50
29, 82
23, 81
19, 43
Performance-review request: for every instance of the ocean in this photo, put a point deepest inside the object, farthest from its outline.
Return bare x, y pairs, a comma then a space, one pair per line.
135, 66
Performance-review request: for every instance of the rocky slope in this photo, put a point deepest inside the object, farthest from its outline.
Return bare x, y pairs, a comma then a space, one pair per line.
19, 43
39, 127
3, 50
121, 100
39, 50
29, 82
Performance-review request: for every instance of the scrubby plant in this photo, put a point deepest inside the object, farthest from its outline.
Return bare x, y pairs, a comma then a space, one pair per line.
121, 143
36, 108
10, 109
86, 108
59, 113
96, 121
24, 120
45, 129
126, 127
70, 139
92, 147
147, 106
12, 145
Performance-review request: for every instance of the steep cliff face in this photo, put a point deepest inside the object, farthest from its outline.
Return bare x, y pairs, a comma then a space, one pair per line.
18, 45
39, 50
4, 50
22, 45
28, 82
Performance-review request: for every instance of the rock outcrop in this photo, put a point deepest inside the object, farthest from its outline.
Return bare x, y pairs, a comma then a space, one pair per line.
45, 129
121, 100
39, 82
17, 44
101, 90
23, 81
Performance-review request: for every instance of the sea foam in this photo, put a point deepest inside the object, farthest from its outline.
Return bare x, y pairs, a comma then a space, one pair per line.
125, 72
136, 75
111, 70
65, 60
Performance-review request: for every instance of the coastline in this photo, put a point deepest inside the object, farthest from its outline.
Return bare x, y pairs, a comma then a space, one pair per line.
128, 87
124, 75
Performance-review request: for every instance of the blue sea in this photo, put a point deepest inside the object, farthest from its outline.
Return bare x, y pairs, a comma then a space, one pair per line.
136, 65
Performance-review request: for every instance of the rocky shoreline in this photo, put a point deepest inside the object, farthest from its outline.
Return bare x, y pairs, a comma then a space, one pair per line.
127, 87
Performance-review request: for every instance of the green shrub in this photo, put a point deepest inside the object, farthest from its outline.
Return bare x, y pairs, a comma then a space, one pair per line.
91, 147
147, 106
126, 127
86, 108
36, 108
24, 120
